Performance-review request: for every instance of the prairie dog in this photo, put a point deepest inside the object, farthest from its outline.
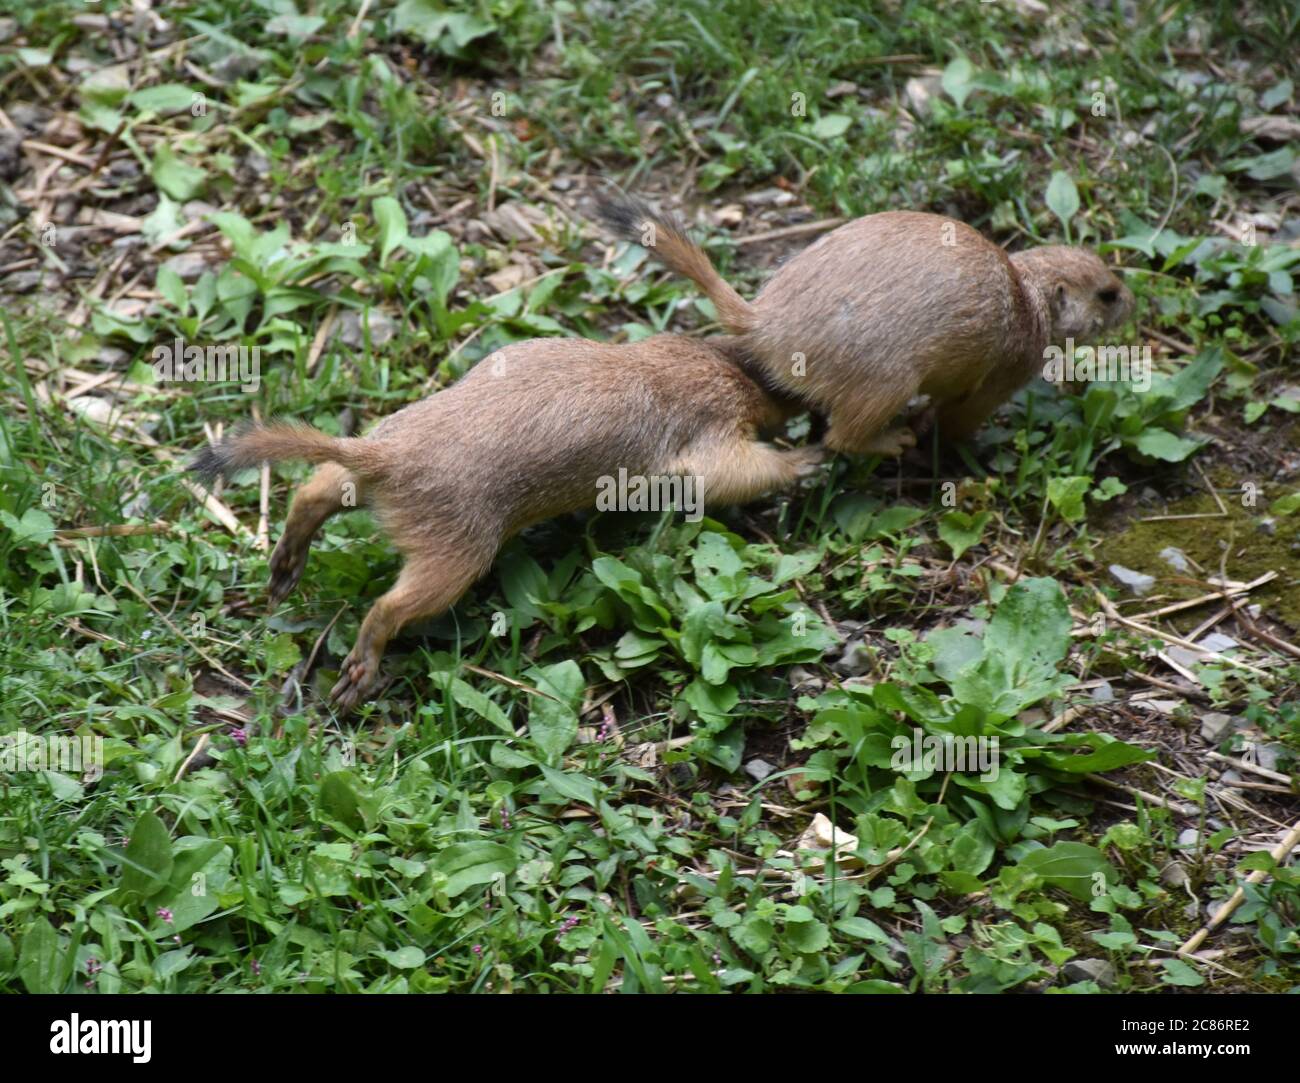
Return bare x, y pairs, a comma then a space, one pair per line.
532, 431
894, 306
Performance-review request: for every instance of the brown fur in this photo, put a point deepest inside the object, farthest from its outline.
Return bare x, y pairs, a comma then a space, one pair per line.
881, 310
524, 436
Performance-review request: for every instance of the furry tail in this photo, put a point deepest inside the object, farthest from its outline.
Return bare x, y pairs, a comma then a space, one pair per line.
634, 221
285, 440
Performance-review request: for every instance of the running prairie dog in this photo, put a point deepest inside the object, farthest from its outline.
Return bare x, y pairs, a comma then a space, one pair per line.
893, 306
535, 430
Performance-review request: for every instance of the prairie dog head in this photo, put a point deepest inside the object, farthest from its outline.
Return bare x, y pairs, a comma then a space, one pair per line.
1082, 294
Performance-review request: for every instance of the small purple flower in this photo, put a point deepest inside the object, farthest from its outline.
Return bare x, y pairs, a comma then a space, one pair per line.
478, 950
505, 819
93, 966
255, 967
239, 736
164, 914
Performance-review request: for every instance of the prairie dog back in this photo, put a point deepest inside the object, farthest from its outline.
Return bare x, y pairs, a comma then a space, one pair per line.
903, 295
898, 304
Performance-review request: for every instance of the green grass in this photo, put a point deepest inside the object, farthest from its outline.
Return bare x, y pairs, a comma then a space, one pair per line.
549, 794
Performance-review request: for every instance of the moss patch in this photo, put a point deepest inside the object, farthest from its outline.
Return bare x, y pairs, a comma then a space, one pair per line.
1251, 551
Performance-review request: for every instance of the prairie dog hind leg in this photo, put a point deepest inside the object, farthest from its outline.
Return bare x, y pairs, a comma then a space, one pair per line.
738, 469
320, 496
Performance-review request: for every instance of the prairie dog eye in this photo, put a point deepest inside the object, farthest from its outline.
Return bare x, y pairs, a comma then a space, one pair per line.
1108, 296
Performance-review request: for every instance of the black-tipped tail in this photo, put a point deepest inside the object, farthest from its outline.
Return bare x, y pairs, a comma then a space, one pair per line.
628, 218
210, 463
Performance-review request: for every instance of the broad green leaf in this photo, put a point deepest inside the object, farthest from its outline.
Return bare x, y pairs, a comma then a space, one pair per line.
1286, 505
553, 722
391, 220
481, 704
1178, 972
1074, 866
573, 787
957, 78
174, 176
831, 125
1032, 624
1062, 197
1107, 755
960, 530
40, 958
148, 863
468, 864
1162, 444
408, 958
200, 873
34, 529
1066, 495
338, 800
166, 98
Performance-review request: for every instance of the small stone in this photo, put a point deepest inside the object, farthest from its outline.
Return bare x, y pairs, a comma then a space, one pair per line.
1215, 726
1267, 525
21, 282
758, 769
197, 208
29, 116
1263, 755
1098, 970
1188, 837
382, 327
768, 197
854, 661
1103, 693
1175, 558
235, 66
1138, 582
919, 90
805, 680
1217, 642
11, 154
1185, 656
188, 265
1174, 875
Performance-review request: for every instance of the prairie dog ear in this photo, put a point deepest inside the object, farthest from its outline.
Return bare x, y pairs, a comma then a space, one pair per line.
1058, 299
